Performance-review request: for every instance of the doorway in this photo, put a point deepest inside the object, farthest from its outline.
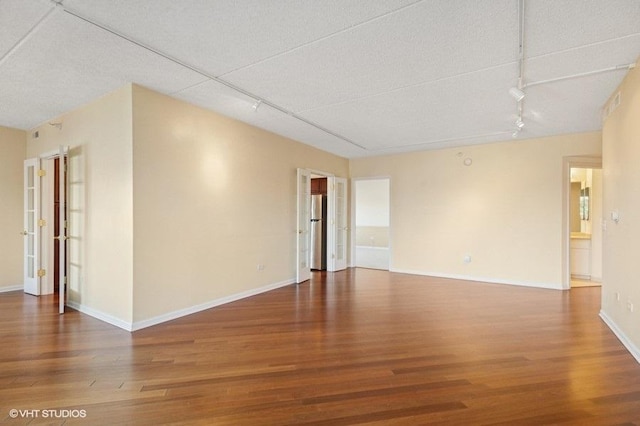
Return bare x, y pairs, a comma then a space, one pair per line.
585, 247
59, 200
336, 222
372, 223
583, 224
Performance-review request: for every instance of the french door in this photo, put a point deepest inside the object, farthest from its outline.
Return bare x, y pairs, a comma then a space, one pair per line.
61, 238
31, 232
303, 267
35, 225
341, 229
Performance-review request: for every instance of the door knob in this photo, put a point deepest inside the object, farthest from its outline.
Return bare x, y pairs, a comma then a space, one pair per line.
24, 233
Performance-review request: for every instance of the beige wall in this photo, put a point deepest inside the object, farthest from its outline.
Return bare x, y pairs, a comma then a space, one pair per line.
505, 210
213, 198
621, 181
99, 136
12, 156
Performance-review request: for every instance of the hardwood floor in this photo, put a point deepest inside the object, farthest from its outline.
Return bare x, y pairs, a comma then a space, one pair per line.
355, 347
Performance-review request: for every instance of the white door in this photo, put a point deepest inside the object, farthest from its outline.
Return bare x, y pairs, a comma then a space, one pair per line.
303, 268
339, 255
62, 226
31, 230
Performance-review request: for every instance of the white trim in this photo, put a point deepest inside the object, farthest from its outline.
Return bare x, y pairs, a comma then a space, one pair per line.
11, 288
138, 325
54, 153
632, 348
548, 286
110, 319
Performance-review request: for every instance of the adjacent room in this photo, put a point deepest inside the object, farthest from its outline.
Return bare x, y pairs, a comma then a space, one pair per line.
319, 212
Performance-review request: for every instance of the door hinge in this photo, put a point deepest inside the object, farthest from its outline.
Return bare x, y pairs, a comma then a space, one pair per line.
42, 172
41, 272
42, 223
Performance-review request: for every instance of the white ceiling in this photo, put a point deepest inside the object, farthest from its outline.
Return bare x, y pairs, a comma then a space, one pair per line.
353, 77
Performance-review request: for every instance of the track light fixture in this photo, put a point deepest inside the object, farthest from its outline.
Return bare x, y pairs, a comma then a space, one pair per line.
517, 94
257, 105
519, 123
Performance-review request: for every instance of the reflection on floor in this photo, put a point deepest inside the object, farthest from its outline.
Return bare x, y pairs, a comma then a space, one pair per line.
575, 282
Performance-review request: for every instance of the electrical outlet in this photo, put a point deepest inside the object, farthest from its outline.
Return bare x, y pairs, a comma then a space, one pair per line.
467, 259
260, 267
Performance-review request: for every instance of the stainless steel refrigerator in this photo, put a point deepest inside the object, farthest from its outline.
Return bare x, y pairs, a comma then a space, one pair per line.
318, 232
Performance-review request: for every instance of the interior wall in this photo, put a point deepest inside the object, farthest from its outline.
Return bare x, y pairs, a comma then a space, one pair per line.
499, 219
99, 136
214, 198
13, 148
621, 175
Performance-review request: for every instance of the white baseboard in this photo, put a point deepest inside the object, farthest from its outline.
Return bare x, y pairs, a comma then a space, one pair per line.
11, 288
481, 279
138, 325
110, 319
631, 347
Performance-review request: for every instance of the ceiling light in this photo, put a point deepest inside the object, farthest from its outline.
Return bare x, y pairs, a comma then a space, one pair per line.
515, 133
516, 93
519, 123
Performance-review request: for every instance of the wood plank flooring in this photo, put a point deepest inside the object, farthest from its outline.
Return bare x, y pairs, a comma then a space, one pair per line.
354, 347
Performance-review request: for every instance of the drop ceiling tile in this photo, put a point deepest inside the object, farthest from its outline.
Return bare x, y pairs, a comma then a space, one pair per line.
17, 17
223, 35
553, 25
585, 59
69, 62
425, 42
465, 106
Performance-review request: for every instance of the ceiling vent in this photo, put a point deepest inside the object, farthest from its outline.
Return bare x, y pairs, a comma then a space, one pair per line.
611, 106
615, 103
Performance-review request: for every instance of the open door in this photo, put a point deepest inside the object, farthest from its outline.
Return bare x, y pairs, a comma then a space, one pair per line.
340, 228
303, 267
61, 238
31, 232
